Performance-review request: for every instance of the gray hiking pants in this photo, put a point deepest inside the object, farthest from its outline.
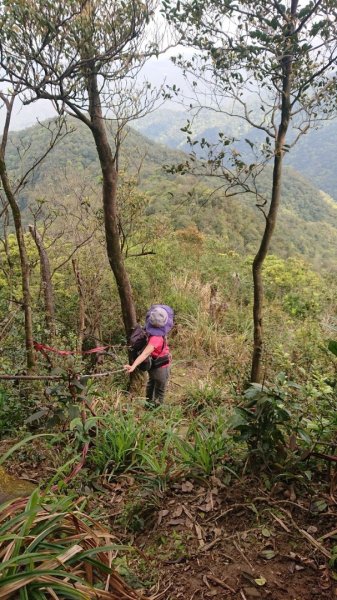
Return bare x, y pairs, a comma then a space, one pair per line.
156, 385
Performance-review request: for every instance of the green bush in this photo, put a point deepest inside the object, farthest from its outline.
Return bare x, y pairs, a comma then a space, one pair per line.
262, 423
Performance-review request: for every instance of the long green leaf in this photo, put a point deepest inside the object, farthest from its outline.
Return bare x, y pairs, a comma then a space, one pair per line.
97, 550
59, 471
36, 594
37, 573
67, 591
24, 594
24, 559
10, 524
31, 509
44, 533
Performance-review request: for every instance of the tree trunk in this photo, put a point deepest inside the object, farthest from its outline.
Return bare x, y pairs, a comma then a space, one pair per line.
25, 270
256, 371
81, 318
49, 305
7, 271
109, 169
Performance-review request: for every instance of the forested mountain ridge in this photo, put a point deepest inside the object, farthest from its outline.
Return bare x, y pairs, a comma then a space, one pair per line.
314, 156
308, 218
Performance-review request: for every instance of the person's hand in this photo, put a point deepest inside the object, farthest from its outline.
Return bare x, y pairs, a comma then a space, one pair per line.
129, 368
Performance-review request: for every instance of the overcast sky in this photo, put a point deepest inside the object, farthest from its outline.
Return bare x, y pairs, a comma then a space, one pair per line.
155, 71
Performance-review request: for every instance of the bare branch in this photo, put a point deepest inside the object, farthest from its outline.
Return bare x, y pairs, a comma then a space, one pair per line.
64, 262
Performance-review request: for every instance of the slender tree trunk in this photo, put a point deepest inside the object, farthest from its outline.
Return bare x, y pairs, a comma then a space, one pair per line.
25, 269
47, 287
109, 169
7, 271
81, 319
256, 371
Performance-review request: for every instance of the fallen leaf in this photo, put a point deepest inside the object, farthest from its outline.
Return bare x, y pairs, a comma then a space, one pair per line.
161, 514
268, 554
251, 592
319, 506
265, 532
260, 581
312, 529
187, 486
199, 535
292, 494
176, 522
206, 507
177, 512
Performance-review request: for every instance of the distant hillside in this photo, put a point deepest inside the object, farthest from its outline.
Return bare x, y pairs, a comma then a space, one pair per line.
308, 218
164, 126
314, 156
77, 150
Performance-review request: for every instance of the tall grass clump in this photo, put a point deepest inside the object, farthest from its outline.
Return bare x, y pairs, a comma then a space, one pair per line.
207, 445
51, 549
201, 395
115, 447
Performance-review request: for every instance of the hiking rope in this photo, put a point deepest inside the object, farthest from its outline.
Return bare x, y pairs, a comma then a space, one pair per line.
59, 377
43, 347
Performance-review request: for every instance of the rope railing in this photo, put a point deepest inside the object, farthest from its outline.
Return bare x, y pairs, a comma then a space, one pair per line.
58, 377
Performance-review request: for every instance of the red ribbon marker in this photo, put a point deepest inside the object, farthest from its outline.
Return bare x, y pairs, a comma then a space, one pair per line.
44, 348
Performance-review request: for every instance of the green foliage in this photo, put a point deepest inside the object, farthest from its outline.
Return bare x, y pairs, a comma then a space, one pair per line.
49, 542
262, 423
319, 420
83, 430
178, 202
200, 396
12, 415
332, 346
157, 464
205, 446
292, 282
315, 166
318, 166
117, 446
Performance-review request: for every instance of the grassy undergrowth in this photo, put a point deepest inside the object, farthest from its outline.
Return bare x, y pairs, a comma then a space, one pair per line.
213, 423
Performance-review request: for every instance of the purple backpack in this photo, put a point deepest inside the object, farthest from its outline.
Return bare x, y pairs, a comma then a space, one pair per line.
138, 341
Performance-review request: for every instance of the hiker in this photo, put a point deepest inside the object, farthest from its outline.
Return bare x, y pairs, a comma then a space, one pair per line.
155, 357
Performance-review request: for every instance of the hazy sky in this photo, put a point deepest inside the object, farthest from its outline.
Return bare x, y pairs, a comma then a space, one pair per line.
155, 71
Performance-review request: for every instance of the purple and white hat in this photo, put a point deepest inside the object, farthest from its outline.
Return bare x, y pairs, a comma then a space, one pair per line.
159, 319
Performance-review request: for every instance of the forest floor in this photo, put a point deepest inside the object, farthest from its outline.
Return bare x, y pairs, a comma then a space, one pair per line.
211, 541
205, 538
202, 539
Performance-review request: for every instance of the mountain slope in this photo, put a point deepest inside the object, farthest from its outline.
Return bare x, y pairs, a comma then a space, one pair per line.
308, 219
314, 156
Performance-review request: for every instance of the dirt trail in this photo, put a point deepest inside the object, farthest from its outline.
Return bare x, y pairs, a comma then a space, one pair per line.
218, 542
